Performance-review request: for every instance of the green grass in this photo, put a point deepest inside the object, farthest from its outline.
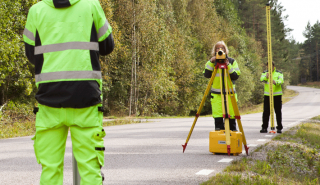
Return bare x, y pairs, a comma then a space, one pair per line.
238, 179
292, 157
316, 118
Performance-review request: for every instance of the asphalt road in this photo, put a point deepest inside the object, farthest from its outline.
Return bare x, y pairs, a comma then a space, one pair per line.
151, 153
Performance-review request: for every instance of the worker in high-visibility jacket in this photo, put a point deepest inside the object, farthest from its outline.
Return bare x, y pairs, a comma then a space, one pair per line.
63, 39
277, 77
215, 91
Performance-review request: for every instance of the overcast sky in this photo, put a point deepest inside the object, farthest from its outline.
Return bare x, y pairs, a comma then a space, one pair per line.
300, 12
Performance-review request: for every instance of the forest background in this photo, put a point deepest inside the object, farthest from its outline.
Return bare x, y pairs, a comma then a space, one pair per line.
161, 50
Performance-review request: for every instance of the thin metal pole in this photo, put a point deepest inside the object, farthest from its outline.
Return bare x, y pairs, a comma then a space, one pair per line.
76, 175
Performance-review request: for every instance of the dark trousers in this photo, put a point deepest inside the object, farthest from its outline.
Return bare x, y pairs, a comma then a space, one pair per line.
219, 124
277, 100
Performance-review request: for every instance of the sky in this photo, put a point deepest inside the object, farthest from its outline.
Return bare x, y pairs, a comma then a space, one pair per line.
300, 12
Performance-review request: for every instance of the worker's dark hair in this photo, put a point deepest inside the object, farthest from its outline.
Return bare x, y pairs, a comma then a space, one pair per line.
272, 63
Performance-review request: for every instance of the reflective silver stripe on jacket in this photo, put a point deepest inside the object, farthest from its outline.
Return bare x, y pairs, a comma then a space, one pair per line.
209, 67
103, 29
29, 34
66, 46
68, 75
230, 70
219, 91
280, 92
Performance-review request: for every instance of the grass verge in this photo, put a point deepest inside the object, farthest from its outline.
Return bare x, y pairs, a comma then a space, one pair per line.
311, 84
17, 129
290, 158
122, 121
26, 128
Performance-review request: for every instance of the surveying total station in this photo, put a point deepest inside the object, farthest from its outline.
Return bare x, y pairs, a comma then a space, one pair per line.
223, 141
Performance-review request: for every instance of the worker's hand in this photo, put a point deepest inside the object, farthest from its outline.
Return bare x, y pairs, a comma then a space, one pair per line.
274, 82
267, 75
213, 59
226, 61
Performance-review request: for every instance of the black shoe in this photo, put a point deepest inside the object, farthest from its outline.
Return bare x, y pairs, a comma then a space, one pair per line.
263, 130
279, 131
102, 175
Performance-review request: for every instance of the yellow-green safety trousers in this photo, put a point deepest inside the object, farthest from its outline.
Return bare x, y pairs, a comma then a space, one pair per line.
52, 125
216, 105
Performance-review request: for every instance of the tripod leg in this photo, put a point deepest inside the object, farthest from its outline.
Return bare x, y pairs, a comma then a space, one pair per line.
225, 107
237, 116
200, 108
227, 115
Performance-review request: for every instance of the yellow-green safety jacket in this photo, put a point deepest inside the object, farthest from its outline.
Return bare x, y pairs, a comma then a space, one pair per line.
277, 76
234, 72
64, 39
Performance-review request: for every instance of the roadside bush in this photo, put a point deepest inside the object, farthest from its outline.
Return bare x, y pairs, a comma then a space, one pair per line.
16, 112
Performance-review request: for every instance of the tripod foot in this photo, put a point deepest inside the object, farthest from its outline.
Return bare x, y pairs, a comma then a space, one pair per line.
184, 147
272, 132
247, 149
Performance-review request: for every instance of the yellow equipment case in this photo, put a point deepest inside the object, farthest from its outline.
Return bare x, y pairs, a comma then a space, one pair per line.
217, 142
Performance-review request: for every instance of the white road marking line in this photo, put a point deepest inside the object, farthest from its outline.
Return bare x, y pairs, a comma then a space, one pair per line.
261, 140
225, 160
204, 172
253, 145
268, 135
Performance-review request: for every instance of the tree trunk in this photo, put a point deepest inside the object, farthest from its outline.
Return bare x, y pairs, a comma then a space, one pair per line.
253, 26
317, 62
310, 72
133, 57
137, 86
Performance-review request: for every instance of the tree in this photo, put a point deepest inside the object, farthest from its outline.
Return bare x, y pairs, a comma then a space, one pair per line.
16, 73
161, 49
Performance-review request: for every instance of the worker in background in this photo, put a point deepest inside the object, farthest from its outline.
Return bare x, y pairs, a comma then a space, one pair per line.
63, 39
277, 77
216, 89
